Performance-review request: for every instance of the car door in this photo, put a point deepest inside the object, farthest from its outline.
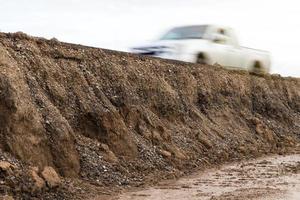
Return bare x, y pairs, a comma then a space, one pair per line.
225, 52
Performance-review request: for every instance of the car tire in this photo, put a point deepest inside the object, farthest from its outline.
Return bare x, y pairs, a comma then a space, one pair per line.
201, 59
258, 68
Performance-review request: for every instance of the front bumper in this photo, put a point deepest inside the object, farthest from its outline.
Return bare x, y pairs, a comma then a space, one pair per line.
165, 52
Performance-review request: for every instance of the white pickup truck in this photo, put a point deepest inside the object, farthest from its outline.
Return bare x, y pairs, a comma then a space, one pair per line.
207, 44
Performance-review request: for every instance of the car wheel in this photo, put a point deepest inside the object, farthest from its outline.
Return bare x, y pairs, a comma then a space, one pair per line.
201, 59
257, 68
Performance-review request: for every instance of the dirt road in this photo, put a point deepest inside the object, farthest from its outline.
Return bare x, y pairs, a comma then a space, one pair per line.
269, 178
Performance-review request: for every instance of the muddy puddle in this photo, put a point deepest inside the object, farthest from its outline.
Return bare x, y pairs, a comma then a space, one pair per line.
268, 178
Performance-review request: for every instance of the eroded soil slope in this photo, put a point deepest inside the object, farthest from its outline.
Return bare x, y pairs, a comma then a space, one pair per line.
104, 119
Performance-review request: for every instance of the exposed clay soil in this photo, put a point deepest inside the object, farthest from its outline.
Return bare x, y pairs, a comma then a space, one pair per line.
101, 121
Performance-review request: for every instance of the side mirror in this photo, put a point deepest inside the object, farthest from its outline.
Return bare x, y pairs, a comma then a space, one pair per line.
219, 38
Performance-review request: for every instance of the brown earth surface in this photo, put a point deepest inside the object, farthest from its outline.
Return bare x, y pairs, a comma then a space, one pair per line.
270, 178
102, 121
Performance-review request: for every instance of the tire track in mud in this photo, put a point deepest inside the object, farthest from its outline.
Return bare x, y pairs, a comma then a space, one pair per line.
268, 178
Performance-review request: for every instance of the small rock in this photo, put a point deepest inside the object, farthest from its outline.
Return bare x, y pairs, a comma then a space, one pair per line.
51, 177
39, 183
166, 154
256, 121
104, 147
259, 129
180, 155
111, 157
242, 149
6, 167
156, 136
203, 140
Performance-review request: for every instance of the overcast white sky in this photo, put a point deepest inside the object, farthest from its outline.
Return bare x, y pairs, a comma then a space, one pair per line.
272, 25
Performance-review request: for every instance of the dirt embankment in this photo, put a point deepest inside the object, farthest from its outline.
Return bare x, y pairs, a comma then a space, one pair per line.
103, 119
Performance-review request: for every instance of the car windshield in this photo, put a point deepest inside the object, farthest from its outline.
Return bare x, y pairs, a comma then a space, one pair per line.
188, 32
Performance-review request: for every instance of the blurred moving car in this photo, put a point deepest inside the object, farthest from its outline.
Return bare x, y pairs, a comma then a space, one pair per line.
207, 44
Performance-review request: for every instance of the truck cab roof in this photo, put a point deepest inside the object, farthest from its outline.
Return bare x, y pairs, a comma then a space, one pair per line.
205, 31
